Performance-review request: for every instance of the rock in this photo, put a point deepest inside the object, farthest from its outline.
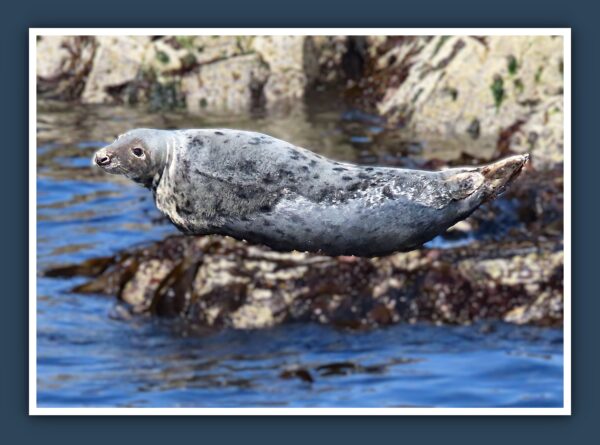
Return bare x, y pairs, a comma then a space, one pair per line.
235, 73
117, 61
253, 316
542, 134
545, 310
139, 288
177, 54
233, 84
330, 51
62, 65
163, 57
209, 49
495, 94
217, 282
530, 269
293, 66
507, 88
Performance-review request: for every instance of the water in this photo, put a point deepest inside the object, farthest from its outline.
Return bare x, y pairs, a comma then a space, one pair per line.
88, 358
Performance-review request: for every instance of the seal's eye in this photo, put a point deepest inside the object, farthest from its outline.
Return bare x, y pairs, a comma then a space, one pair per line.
137, 151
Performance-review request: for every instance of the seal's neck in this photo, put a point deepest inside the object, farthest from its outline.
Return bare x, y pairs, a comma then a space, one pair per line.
152, 178
162, 160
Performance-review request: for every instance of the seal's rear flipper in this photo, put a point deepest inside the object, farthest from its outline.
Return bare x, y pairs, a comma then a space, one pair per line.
498, 175
480, 184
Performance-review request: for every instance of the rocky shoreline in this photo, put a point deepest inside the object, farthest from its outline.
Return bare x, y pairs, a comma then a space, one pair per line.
219, 282
503, 93
464, 99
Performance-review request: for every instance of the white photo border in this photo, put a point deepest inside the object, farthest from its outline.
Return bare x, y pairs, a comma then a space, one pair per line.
565, 33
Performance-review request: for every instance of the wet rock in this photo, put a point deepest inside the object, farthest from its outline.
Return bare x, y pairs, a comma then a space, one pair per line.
545, 310
145, 282
89, 268
253, 316
217, 281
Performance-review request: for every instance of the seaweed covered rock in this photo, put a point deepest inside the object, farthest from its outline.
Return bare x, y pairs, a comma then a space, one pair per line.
216, 281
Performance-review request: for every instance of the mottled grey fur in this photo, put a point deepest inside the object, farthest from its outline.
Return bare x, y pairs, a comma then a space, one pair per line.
254, 187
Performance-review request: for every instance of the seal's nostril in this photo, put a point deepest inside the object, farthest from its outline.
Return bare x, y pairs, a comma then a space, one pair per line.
102, 160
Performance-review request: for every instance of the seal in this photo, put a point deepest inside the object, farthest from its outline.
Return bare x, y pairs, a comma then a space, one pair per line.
257, 188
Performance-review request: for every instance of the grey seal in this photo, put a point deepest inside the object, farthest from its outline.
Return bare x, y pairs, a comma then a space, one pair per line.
255, 187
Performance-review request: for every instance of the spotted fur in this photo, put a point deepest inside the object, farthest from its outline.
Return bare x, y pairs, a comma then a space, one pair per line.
255, 187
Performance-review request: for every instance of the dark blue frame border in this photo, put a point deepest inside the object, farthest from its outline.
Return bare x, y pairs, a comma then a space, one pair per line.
17, 426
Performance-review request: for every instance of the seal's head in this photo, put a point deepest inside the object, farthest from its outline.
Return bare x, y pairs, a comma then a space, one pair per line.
140, 155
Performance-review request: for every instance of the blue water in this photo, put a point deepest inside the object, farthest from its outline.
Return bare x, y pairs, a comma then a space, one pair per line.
88, 357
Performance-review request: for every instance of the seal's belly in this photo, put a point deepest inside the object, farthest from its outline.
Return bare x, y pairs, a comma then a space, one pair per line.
354, 227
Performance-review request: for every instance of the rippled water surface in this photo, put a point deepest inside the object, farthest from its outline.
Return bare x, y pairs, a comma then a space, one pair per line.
86, 357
